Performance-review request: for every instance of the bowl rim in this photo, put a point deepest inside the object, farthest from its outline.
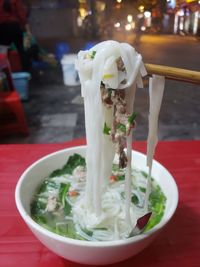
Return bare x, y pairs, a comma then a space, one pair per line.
84, 243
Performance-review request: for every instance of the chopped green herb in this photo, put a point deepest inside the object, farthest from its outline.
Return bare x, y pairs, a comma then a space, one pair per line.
142, 189
109, 92
106, 129
101, 228
134, 199
144, 174
115, 167
92, 54
102, 84
122, 195
120, 177
88, 232
121, 127
132, 117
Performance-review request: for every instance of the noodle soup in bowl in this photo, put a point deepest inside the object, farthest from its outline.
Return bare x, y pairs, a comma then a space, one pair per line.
84, 251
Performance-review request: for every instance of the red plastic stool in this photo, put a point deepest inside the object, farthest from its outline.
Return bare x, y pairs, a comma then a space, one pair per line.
11, 103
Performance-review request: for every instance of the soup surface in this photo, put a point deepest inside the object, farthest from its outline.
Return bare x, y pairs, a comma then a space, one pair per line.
55, 204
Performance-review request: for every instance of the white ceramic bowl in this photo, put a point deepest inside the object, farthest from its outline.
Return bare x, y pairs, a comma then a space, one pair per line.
86, 252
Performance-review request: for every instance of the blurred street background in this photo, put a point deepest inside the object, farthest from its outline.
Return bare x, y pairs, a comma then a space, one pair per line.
164, 32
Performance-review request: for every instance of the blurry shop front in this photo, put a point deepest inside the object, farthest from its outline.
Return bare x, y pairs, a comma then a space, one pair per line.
53, 19
187, 18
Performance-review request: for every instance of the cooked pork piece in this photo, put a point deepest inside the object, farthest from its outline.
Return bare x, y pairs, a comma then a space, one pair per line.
120, 64
51, 203
122, 125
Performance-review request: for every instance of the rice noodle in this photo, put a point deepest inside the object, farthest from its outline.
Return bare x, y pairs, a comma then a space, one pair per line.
156, 90
98, 204
130, 97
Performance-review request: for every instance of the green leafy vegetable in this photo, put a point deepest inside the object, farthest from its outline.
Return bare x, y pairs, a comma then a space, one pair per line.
60, 219
157, 198
41, 219
67, 229
157, 205
64, 188
67, 208
48, 185
62, 229
37, 207
132, 117
72, 163
106, 129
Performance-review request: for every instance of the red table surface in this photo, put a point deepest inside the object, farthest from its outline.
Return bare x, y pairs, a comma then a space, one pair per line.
177, 245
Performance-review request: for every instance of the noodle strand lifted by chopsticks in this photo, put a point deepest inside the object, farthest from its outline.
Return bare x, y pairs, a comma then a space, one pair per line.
109, 73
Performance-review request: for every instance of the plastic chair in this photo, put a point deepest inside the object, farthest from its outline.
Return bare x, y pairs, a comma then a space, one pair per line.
10, 102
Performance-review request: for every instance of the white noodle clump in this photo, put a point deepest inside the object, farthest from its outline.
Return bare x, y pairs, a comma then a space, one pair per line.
99, 205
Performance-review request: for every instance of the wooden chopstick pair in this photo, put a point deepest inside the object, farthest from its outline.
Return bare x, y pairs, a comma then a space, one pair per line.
174, 73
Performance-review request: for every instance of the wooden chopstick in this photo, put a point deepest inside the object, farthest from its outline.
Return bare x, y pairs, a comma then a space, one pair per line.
174, 73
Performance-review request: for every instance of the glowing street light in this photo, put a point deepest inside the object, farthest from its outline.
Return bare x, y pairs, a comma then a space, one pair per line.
128, 27
129, 18
117, 25
133, 25
119, 1
147, 14
141, 8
